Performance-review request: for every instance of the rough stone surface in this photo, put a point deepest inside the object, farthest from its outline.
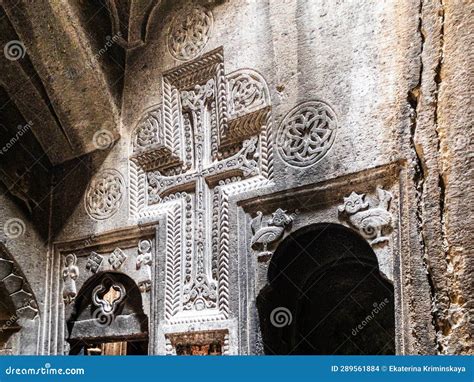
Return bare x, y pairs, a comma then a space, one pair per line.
169, 157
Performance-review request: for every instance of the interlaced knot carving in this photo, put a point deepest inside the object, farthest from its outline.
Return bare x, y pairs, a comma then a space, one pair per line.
306, 134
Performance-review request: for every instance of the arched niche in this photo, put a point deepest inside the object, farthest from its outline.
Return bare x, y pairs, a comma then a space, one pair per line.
326, 295
108, 317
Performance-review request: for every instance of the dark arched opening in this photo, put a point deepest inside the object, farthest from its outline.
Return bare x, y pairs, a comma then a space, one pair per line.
326, 295
108, 318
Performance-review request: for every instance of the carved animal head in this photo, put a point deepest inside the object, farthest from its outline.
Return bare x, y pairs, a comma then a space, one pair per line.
354, 203
280, 218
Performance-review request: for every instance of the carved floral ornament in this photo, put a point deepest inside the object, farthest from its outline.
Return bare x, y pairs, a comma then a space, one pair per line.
372, 219
105, 194
189, 32
306, 134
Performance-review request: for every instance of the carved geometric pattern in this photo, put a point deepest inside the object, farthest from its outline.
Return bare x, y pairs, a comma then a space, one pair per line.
266, 147
307, 133
247, 92
198, 343
173, 263
222, 231
137, 189
105, 194
117, 258
189, 32
148, 131
94, 261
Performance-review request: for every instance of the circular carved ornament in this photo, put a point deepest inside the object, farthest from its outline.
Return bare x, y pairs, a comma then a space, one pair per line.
105, 194
189, 32
306, 133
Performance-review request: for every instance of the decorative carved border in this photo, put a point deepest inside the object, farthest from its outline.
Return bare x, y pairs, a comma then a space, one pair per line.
105, 245
313, 202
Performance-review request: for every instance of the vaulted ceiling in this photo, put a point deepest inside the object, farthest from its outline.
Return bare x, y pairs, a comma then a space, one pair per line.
62, 67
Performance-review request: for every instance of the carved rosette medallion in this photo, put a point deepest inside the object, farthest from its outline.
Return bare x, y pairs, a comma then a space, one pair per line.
189, 32
105, 194
306, 134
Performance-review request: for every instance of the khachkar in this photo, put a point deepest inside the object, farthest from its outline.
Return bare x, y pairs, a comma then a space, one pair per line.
209, 140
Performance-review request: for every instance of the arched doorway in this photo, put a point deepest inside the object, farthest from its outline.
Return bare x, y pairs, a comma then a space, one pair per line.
108, 318
326, 295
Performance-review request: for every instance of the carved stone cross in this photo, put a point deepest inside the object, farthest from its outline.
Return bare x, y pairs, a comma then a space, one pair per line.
202, 149
200, 179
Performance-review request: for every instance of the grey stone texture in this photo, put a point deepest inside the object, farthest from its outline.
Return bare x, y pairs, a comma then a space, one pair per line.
168, 142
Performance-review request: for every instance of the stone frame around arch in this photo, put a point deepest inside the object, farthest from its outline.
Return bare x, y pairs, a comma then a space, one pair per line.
127, 240
127, 322
316, 203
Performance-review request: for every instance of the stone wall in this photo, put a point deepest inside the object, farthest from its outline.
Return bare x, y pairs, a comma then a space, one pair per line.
389, 83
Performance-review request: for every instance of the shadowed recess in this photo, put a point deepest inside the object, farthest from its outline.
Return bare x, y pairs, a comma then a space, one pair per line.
326, 295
